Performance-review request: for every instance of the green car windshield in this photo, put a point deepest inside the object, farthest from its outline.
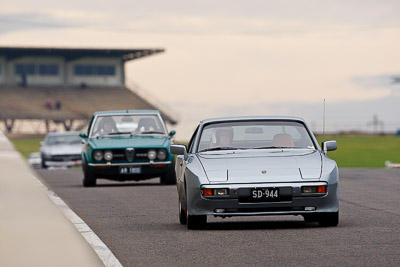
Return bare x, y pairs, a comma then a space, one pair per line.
254, 135
142, 124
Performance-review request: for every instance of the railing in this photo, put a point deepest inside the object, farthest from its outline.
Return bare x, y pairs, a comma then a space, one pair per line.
153, 100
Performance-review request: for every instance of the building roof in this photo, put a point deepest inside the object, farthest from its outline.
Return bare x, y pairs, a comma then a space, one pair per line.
75, 53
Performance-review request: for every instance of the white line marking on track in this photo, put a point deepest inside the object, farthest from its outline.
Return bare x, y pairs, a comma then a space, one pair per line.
104, 253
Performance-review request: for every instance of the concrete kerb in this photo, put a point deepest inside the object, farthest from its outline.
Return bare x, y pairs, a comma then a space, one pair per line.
104, 253
34, 231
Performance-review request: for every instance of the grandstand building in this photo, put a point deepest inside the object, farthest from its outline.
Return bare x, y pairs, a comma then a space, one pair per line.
65, 84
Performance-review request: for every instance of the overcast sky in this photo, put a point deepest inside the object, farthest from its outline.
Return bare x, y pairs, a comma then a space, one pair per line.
235, 57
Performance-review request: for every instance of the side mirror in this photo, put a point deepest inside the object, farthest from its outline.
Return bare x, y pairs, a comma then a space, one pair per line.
83, 135
329, 146
172, 133
41, 143
179, 150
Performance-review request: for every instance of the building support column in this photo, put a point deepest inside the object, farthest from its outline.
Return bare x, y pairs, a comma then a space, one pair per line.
68, 124
46, 122
9, 123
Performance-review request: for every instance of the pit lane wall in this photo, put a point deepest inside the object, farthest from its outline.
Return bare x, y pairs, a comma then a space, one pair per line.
33, 231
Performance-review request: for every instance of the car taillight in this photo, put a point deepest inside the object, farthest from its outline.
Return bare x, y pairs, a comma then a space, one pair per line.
215, 192
314, 189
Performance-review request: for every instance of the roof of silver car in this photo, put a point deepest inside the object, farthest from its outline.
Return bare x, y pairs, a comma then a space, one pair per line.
251, 118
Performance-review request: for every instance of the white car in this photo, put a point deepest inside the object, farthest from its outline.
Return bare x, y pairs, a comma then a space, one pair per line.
61, 149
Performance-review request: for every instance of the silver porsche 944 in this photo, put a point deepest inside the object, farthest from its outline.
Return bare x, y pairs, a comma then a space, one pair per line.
242, 166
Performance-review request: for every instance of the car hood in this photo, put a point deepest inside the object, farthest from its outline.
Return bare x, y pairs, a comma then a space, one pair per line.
63, 149
261, 166
124, 141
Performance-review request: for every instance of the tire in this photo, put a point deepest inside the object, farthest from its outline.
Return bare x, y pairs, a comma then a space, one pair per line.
310, 218
89, 179
44, 166
182, 214
163, 178
169, 178
196, 222
328, 219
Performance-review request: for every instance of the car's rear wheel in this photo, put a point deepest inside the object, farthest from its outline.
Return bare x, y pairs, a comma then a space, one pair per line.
89, 179
328, 219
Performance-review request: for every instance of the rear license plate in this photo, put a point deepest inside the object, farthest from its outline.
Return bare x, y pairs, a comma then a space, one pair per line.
264, 194
130, 170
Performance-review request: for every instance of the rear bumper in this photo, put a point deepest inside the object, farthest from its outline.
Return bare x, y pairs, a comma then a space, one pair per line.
298, 203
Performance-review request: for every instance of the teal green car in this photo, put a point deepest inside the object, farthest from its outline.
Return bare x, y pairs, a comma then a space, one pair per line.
124, 145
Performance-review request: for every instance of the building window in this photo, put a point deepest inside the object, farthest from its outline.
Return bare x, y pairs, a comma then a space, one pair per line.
101, 70
105, 70
83, 70
48, 69
24, 69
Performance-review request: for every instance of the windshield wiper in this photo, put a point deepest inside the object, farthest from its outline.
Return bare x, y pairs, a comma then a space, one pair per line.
152, 132
219, 148
271, 147
117, 133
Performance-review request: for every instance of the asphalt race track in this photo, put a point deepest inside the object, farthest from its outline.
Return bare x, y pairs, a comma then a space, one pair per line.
138, 221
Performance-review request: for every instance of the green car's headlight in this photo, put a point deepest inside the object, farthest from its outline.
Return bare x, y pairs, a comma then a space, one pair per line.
152, 154
108, 155
98, 155
161, 155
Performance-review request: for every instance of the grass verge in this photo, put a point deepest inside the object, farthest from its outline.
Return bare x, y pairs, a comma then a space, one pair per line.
364, 151
27, 145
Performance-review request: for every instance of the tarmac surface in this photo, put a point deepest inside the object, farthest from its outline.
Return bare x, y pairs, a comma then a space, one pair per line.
138, 221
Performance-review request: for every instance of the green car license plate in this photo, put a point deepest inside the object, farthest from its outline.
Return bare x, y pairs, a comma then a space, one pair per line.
130, 170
